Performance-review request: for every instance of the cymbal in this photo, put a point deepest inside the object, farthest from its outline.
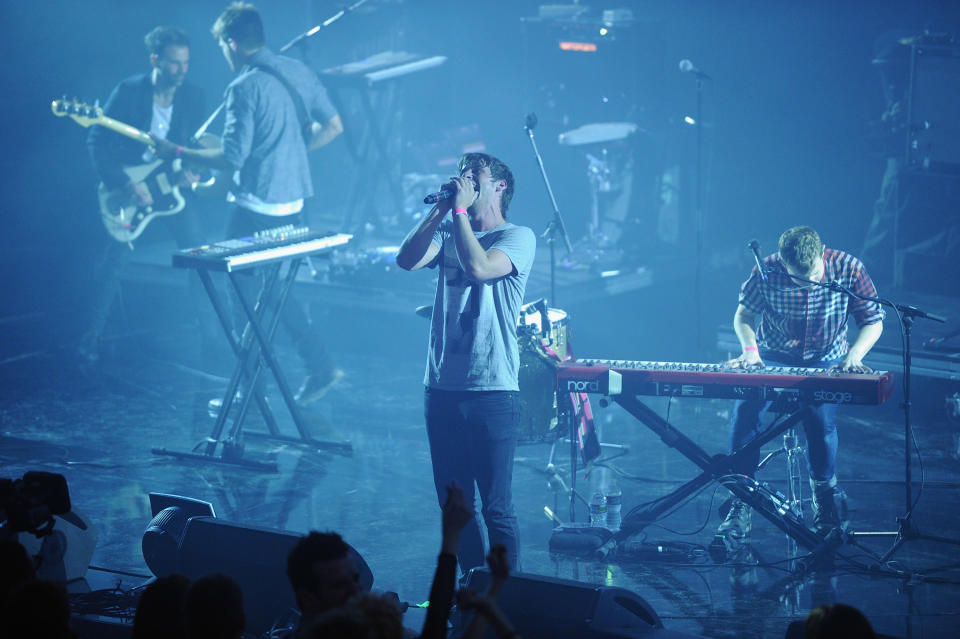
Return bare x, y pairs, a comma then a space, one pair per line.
597, 132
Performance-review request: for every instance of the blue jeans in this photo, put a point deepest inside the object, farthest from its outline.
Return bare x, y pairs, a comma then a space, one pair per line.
819, 425
473, 437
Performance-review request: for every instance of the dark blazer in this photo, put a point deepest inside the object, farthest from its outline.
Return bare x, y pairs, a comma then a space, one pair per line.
131, 102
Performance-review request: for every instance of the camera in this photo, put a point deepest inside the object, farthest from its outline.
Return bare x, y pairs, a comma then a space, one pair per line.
28, 504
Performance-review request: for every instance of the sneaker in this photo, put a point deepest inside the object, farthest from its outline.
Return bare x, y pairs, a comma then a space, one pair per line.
733, 532
215, 404
316, 385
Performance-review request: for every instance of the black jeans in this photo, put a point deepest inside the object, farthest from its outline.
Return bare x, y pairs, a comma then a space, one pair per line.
294, 319
113, 261
473, 437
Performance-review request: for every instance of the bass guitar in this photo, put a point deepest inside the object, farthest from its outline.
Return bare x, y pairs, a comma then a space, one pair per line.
124, 221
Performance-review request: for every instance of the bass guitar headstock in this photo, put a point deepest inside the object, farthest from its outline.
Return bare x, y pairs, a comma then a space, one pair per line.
82, 113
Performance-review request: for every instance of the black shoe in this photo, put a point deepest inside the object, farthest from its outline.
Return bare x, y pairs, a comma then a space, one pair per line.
733, 533
316, 385
829, 505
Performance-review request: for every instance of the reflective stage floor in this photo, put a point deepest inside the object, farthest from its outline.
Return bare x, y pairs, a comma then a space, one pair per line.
97, 427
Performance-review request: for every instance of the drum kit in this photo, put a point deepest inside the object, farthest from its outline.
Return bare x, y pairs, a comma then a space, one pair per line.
542, 338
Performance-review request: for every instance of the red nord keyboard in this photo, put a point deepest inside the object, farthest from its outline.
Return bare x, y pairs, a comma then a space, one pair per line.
714, 381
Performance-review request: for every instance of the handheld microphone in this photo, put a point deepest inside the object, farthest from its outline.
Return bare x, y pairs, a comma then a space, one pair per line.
755, 247
445, 192
687, 67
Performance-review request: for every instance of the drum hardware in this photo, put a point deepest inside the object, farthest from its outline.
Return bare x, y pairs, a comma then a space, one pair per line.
542, 340
425, 311
793, 449
607, 147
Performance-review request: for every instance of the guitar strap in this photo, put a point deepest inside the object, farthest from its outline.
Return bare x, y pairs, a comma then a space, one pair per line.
303, 116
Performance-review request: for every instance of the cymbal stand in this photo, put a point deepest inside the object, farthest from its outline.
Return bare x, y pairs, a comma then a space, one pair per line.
793, 449
598, 174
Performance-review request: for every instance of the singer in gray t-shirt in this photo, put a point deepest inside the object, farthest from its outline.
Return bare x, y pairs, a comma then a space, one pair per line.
472, 396
473, 333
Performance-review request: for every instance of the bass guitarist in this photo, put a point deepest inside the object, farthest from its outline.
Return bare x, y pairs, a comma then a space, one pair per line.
158, 101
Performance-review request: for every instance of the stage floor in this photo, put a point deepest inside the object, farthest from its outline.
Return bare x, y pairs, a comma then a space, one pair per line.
98, 427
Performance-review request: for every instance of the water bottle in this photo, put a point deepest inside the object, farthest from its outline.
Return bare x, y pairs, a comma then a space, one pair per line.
614, 501
598, 510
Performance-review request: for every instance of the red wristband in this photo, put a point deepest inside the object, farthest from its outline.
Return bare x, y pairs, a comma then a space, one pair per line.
749, 348
179, 151
460, 211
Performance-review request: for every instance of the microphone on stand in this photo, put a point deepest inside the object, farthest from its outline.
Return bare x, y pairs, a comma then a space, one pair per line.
687, 67
755, 247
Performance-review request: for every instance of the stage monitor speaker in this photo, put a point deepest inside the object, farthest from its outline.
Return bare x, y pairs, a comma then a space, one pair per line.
189, 506
161, 539
934, 93
255, 557
541, 606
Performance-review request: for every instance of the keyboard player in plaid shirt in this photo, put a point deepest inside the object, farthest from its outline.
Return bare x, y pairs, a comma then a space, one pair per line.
783, 321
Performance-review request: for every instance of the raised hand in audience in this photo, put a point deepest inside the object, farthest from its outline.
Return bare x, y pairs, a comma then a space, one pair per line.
456, 514
457, 511
486, 609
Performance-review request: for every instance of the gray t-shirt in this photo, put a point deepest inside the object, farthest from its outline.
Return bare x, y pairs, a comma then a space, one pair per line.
473, 333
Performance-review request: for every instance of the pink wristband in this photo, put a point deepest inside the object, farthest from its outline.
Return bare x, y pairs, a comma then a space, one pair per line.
460, 211
749, 348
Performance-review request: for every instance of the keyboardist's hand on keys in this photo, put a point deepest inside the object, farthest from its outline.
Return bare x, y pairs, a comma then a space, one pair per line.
851, 364
747, 359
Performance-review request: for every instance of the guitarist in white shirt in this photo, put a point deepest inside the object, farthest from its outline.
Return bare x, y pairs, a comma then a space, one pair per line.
160, 102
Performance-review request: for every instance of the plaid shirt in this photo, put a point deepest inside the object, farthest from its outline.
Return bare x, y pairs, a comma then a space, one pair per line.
809, 322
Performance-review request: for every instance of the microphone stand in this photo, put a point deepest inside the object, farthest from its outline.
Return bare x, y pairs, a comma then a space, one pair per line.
906, 530
302, 38
323, 25
556, 226
699, 214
